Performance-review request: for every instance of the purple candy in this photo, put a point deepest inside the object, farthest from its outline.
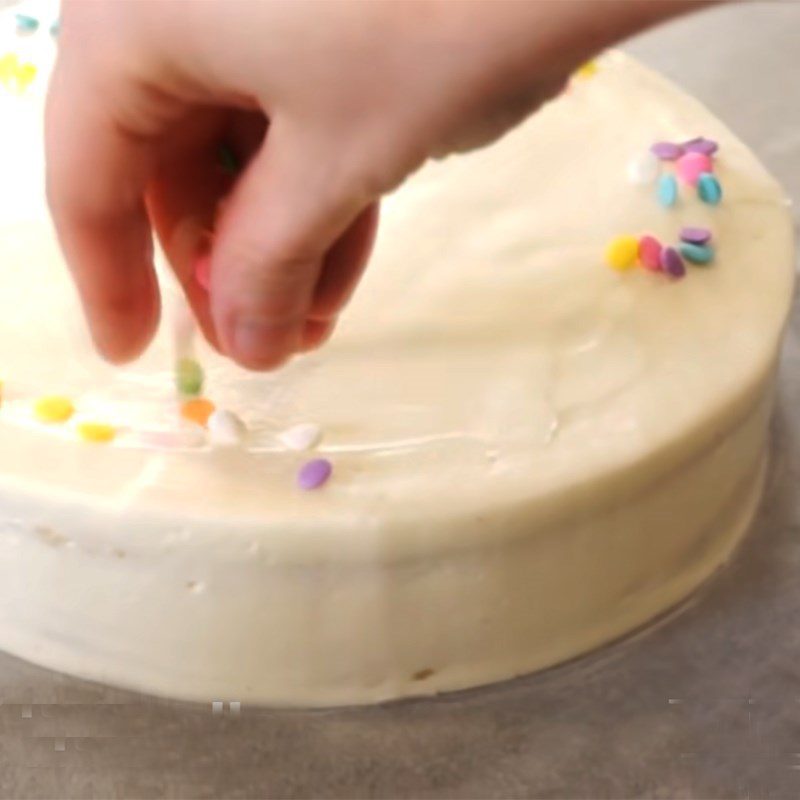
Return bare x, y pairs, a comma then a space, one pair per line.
700, 145
667, 151
696, 235
314, 474
672, 263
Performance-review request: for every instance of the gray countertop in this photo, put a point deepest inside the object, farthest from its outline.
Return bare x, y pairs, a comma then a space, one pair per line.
706, 705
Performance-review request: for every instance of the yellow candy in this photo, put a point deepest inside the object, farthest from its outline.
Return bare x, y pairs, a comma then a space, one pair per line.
53, 408
96, 431
15, 75
587, 70
622, 252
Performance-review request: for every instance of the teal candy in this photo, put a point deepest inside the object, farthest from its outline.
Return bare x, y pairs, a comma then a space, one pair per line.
697, 253
708, 189
27, 24
667, 191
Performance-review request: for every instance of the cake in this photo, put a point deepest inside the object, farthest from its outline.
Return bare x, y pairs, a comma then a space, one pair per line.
542, 422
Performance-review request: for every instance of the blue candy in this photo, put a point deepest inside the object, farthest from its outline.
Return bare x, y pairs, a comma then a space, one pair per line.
27, 24
667, 191
708, 189
697, 253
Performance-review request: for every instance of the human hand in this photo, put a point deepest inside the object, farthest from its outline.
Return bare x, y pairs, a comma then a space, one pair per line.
329, 104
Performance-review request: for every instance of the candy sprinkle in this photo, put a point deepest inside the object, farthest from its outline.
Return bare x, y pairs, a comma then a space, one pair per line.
225, 428
98, 432
709, 190
697, 253
691, 166
650, 253
27, 24
587, 70
314, 474
621, 252
189, 377
227, 160
202, 270
643, 169
304, 436
672, 263
696, 235
701, 145
197, 410
667, 191
667, 151
53, 408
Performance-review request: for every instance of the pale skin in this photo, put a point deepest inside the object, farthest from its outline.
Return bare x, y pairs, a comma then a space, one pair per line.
354, 95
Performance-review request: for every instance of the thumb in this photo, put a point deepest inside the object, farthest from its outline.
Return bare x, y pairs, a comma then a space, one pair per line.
290, 207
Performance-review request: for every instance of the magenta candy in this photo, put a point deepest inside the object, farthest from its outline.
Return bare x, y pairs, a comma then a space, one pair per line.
650, 253
202, 270
314, 474
701, 145
696, 235
667, 151
672, 263
692, 165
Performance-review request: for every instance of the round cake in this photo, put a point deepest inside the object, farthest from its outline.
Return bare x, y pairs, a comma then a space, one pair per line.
541, 423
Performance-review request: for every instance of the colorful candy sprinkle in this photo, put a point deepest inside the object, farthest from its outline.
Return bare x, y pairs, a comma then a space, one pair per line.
304, 436
225, 428
14, 75
695, 235
667, 151
587, 70
701, 145
53, 408
672, 263
644, 169
697, 253
621, 252
314, 474
691, 166
709, 189
202, 270
27, 23
228, 161
197, 410
99, 432
667, 192
650, 253
189, 377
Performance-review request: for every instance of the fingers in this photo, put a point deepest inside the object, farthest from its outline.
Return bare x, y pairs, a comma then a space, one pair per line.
287, 211
344, 264
95, 182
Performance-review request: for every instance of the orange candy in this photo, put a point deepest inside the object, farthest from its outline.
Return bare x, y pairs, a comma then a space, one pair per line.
197, 410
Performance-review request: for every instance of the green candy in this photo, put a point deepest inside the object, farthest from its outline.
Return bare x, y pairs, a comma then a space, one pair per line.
189, 377
227, 159
709, 189
697, 253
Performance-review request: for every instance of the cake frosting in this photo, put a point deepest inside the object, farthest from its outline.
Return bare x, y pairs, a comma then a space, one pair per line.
532, 453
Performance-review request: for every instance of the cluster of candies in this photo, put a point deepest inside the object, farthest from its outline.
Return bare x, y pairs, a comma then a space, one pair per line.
225, 428
625, 252
57, 410
693, 163
27, 24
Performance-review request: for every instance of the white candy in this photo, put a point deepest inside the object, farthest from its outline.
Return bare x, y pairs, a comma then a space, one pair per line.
225, 428
301, 437
644, 169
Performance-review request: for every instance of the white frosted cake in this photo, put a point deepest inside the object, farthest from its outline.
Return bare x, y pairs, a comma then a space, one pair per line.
544, 414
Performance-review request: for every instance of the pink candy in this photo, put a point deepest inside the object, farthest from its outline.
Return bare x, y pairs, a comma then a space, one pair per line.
202, 270
650, 253
692, 165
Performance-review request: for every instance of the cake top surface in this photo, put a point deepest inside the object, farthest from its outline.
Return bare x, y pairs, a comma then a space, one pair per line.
491, 356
